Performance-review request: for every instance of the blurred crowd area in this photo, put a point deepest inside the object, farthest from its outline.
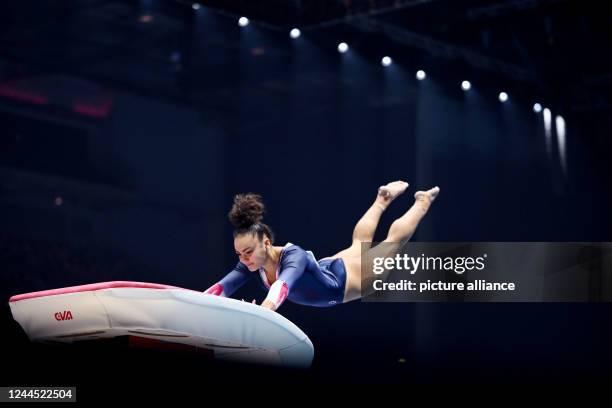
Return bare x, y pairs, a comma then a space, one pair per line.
28, 265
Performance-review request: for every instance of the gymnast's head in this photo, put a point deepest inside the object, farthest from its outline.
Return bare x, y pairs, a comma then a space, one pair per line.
252, 238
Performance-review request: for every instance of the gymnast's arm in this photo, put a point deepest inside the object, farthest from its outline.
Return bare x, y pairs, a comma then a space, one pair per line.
231, 282
293, 265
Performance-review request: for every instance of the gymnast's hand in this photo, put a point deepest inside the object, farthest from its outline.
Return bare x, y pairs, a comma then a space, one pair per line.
268, 305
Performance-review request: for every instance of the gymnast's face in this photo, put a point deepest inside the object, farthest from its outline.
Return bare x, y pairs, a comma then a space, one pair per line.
251, 251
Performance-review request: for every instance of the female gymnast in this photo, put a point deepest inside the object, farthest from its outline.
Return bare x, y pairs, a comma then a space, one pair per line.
290, 272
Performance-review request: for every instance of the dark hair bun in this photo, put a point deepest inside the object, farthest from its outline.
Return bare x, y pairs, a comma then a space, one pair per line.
248, 209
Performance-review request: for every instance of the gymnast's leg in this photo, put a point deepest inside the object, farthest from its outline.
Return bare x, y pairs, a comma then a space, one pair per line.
366, 226
400, 232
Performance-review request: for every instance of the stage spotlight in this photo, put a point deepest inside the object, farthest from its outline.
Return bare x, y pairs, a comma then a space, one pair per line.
295, 33
547, 120
560, 127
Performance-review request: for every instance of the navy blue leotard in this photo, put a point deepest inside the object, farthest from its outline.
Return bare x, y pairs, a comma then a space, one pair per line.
299, 277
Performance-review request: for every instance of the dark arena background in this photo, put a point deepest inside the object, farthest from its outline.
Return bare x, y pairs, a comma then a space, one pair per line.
127, 127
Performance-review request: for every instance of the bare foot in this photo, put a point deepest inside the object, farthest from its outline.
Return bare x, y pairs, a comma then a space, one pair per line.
429, 196
390, 192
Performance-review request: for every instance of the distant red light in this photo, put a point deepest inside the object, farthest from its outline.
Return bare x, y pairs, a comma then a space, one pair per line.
145, 18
